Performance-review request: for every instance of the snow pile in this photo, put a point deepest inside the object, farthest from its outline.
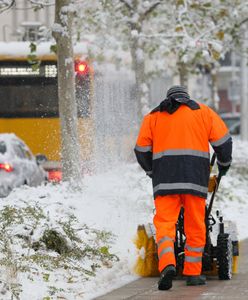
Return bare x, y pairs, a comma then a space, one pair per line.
48, 247
116, 201
231, 198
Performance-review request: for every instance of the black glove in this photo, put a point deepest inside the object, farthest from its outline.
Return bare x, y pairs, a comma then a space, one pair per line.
149, 174
223, 170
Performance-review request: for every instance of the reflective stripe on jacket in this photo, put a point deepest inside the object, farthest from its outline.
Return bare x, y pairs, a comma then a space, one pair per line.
174, 149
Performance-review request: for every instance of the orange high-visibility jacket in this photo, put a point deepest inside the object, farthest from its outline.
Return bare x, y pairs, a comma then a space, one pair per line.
173, 149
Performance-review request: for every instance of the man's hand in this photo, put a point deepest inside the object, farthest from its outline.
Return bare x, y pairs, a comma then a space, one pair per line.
149, 173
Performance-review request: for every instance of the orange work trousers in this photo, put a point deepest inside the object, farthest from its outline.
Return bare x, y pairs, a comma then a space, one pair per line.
165, 219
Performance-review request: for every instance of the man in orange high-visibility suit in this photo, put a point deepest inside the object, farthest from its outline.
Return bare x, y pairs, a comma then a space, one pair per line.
173, 149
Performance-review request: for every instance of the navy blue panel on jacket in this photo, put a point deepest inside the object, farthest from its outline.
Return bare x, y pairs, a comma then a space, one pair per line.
181, 173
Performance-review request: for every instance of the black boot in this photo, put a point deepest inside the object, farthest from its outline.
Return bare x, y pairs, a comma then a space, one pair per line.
166, 276
196, 280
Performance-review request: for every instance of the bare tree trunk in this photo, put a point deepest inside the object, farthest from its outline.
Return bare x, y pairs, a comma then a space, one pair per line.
244, 87
66, 91
214, 89
183, 74
138, 62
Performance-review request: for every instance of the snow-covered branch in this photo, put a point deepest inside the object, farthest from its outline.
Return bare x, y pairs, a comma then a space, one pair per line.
42, 3
151, 8
243, 22
128, 5
6, 4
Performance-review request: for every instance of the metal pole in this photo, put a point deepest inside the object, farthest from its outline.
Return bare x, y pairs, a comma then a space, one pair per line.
244, 86
233, 80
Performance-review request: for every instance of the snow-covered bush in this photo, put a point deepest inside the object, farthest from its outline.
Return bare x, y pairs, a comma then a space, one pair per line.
38, 248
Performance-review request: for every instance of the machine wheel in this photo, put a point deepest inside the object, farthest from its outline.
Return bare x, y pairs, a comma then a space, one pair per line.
224, 256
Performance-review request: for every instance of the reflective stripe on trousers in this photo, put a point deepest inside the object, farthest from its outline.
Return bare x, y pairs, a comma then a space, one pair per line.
166, 250
193, 259
194, 249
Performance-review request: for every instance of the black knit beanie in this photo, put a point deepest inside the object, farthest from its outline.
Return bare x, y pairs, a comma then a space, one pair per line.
177, 91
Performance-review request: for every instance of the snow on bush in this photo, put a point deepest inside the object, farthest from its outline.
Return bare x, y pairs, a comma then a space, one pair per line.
57, 250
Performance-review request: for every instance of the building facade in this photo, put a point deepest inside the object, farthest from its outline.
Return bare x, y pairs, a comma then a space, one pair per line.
15, 21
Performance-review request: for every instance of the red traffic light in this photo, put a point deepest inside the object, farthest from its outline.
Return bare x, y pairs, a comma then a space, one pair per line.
81, 67
6, 167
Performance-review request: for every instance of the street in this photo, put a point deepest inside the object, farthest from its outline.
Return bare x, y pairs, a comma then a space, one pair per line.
146, 288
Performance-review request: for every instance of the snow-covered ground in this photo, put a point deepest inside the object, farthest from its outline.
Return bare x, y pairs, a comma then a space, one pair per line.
115, 201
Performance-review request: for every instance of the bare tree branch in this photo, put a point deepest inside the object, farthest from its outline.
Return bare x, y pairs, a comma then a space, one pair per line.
151, 9
126, 4
8, 6
243, 22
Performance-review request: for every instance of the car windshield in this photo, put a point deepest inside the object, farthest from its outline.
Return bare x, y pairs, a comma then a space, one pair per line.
3, 147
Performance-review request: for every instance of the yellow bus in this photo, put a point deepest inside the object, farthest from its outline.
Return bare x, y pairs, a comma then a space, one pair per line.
29, 97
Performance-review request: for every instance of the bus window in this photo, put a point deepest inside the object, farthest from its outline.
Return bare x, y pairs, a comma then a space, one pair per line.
26, 101
34, 94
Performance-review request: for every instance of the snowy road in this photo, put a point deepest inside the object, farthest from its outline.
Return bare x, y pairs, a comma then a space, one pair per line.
146, 288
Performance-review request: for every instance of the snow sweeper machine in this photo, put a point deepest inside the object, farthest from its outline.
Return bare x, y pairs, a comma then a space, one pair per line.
221, 250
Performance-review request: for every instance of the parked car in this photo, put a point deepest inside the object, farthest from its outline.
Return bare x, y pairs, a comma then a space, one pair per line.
232, 121
18, 165
53, 168
54, 171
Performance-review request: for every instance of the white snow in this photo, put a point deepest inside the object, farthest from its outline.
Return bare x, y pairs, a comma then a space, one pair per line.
57, 28
217, 46
44, 48
118, 201
68, 61
134, 33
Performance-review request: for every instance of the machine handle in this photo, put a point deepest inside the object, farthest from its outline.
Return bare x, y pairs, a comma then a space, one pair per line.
213, 194
212, 160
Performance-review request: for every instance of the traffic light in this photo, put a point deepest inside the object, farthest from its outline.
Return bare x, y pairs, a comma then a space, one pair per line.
81, 68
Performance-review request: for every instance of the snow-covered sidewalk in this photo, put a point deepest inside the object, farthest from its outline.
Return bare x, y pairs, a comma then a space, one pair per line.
116, 201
